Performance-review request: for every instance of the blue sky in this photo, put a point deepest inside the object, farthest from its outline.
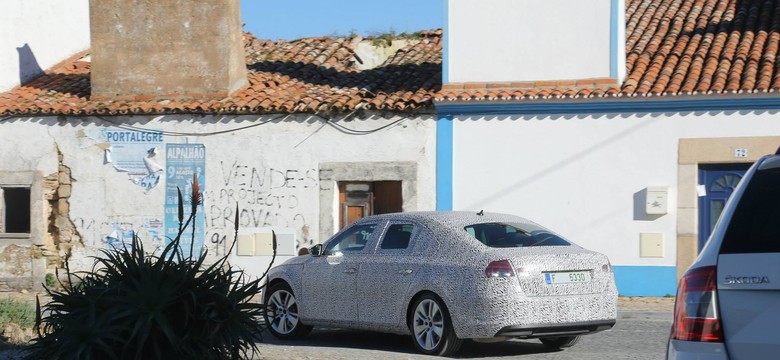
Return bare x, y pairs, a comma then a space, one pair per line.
293, 19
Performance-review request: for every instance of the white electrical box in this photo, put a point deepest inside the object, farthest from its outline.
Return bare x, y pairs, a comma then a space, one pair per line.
259, 242
651, 245
657, 200
245, 245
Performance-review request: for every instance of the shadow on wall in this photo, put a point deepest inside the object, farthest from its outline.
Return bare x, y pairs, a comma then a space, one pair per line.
28, 64
640, 201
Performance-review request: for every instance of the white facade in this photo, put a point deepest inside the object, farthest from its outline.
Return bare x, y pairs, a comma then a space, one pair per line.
270, 168
38, 34
586, 176
530, 40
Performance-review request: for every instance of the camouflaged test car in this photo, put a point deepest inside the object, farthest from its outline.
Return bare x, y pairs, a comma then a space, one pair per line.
443, 277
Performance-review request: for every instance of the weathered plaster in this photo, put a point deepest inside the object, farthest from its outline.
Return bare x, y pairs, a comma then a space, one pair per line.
145, 48
373, 55
269, 166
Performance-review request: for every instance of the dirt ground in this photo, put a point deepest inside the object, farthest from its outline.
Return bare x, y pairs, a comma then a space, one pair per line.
652, 304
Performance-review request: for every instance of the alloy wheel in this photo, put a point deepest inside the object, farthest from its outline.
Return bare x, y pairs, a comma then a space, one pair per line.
282, 313
428, 324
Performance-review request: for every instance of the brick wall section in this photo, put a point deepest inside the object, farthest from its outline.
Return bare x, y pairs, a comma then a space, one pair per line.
61, 234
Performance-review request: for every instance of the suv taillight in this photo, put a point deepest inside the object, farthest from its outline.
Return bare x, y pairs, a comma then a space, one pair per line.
696, 307
500, 268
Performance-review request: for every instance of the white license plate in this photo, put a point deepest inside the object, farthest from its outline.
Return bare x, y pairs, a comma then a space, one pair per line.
567, 277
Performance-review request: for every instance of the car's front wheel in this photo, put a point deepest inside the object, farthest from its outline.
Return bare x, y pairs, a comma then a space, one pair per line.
431, 327
281, 313
560, 342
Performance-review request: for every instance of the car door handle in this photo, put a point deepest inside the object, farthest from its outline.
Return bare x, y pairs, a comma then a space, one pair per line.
405, 272
350, 271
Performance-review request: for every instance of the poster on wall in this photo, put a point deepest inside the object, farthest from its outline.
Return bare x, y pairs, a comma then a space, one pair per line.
134, 151
120, 237
183, 162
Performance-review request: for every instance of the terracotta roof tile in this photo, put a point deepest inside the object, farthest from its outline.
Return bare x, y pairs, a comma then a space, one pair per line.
677, 47
673, 47
309, 75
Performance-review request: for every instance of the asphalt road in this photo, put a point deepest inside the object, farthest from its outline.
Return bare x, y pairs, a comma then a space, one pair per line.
637, 335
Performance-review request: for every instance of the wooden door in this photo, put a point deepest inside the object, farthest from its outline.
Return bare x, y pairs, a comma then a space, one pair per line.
360, 199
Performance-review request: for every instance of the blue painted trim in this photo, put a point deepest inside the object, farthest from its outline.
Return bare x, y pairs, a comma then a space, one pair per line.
534, 107
445, 71
614, 46
646, 280
444, 164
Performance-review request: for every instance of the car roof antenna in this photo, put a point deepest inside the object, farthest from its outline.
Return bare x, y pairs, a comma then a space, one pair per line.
481, 213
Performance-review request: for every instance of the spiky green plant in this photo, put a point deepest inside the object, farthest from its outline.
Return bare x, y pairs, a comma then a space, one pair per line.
133, 305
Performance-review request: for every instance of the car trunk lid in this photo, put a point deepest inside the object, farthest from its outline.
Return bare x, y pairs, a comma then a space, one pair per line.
749, 303
560, 270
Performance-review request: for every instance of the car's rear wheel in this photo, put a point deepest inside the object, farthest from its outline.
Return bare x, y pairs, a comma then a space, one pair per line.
431, 327
281, 313
560, 342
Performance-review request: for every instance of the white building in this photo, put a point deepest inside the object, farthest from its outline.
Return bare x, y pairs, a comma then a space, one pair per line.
310, 140
38, 34
621, 124
628, 152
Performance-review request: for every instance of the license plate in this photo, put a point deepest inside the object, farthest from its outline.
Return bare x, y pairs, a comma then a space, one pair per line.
567, 277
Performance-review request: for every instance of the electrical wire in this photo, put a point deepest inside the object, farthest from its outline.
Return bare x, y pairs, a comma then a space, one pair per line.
347, 130
177, 133
310, 135
336, 125
350, 131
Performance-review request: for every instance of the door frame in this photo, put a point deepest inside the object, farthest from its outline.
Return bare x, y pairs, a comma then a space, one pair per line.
691, 153
331, 173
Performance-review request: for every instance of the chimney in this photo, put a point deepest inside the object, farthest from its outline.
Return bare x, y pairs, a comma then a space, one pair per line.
145, 49
534, 40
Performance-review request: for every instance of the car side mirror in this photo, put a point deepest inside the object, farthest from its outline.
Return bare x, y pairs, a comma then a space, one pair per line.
316, 250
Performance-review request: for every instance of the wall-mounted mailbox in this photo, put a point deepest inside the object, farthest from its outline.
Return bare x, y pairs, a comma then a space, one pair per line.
657, 200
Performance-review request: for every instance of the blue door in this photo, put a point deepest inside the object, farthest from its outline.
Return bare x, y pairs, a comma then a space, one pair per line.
719, 180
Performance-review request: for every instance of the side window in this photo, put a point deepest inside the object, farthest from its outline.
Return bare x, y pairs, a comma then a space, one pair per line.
509, 235
354, 239
15, 210
397, 236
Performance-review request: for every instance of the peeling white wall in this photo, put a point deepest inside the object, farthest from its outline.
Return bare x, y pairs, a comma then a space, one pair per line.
580, 175
38, 34
270, 170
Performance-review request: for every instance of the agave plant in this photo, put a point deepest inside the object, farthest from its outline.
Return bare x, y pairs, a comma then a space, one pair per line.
133, 305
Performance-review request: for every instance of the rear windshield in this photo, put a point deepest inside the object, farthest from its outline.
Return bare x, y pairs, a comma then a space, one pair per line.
512, 235
755, 225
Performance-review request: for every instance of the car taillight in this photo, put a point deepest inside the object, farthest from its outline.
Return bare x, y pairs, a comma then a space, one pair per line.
696, 307
500, 268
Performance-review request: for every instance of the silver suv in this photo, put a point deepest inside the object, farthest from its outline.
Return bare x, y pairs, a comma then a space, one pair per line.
728, 302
